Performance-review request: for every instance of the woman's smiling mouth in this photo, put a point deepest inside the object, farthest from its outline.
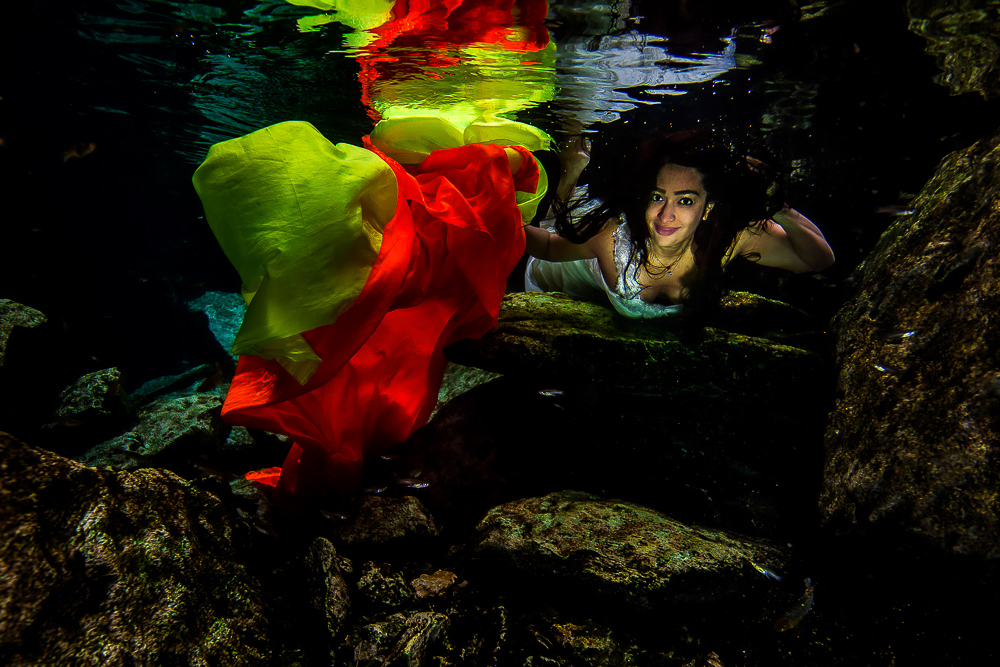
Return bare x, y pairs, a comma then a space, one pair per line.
663, 230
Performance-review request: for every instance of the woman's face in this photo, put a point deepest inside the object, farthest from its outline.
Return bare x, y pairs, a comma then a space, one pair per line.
676, 207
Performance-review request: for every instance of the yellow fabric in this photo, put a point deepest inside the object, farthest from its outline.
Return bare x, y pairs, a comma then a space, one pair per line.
528, 203
301, 220
410, 139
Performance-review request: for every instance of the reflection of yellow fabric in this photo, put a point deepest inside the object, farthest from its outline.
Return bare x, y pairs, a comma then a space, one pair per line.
487, 81
301, 220
357, 14
361, 15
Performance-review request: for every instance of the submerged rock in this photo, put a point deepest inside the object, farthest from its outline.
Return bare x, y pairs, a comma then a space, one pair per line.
225, 312
964, 37
401, 640
911, 443
381, 587
432, 585
105, 568
326, 589
32, 368
459, 379
551, 335
188, 380
93, 399
421, 632
622, 552
171, 427
14, 314
374, 521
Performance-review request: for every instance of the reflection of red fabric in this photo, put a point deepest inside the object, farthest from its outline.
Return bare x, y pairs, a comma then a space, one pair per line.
462, 22
439, 277
424, 33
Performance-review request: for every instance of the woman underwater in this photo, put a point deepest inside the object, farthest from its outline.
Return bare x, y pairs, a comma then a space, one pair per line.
666, 224
360, 265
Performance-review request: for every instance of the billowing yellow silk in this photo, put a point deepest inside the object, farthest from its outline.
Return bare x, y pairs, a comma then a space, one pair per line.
301, 219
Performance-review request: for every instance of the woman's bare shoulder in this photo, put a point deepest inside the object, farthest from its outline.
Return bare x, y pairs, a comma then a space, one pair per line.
605, 238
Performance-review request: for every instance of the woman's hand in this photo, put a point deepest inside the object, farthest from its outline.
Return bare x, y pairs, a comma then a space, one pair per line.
573, 159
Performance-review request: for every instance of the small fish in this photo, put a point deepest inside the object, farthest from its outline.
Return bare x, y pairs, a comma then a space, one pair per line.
766, 573
794, 615
550, 392
333, 516
411, 483
897, 335
896, 210
889, 369
266, 530
374, 490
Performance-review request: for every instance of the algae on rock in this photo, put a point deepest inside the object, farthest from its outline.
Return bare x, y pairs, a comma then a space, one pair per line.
621, 551
912, 441
105, 568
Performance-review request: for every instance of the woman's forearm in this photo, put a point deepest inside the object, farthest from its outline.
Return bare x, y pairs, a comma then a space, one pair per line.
806, 239
554, 248
538, 241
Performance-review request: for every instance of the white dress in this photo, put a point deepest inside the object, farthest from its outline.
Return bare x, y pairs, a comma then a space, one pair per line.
582, 279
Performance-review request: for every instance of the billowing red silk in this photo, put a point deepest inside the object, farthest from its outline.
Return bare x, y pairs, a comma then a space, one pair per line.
440, 276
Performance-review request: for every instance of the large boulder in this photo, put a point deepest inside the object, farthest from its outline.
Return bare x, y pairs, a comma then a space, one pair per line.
553, 336
620, 552
912, 442
106, 568
171, 428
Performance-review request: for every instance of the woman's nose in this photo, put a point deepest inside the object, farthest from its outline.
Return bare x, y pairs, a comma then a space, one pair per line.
666, 212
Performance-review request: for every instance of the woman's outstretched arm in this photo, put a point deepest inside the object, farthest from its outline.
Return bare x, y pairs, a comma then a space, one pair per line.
794, 243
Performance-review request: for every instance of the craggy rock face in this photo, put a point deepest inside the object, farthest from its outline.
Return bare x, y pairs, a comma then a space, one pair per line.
106, 568
911, 443
964, 36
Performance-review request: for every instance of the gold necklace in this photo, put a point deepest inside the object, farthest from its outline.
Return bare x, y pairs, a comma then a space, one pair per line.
669, 268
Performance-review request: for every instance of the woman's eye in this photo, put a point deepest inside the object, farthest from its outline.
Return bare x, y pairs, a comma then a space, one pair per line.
685, 201
656, 196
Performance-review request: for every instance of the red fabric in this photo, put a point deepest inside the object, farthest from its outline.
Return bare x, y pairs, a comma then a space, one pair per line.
440, 276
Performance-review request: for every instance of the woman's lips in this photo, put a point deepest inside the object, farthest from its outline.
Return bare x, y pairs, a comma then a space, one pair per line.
665, 231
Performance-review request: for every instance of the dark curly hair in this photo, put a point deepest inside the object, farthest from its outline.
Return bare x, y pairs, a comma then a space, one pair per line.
745, 191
